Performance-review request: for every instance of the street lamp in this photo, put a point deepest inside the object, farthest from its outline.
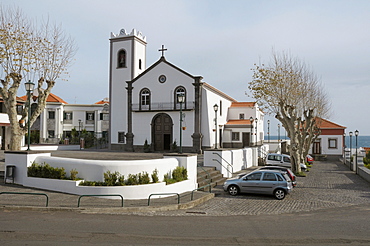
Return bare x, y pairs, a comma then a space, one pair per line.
181, 100
268, 130
356, 134
350, 150
278, 133
215, 108
256, 131
79, 128
29, 88
251, 120
344, 148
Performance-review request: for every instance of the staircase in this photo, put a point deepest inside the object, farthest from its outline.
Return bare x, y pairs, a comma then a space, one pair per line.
208, 175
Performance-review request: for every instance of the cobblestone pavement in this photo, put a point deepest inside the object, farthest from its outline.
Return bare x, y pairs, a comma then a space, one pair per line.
327, 185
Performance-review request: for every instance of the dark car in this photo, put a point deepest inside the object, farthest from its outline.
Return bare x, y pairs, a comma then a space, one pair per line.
270, 182
284, 169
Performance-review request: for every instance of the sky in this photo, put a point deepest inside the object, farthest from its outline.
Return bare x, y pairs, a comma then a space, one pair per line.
221, 41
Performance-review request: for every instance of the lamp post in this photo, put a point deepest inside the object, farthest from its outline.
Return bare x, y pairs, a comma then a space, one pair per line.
181, 99
278, 133
356, 135
268, 130
350, 150
79, 128
256, 131
251, 120
215, 108
29, 88
344, 148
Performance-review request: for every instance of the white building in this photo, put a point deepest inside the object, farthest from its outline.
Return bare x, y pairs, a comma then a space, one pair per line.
56, 122
145, 105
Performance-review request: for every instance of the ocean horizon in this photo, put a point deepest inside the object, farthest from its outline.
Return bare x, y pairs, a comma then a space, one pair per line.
363, 141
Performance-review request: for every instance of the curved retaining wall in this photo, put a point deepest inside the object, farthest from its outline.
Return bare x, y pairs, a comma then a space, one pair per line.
93, 170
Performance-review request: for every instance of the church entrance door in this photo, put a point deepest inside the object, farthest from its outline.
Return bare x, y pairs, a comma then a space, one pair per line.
162, 132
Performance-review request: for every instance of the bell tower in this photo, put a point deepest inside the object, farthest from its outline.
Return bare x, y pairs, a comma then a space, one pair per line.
127, 60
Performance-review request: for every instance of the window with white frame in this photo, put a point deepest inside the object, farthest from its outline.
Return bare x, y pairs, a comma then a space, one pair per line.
51, 134
145, 97
333, 143
241, 116
51, 115
67, 115
89, 115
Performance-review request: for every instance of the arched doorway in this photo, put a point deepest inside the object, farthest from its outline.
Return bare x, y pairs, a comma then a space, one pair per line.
162, 132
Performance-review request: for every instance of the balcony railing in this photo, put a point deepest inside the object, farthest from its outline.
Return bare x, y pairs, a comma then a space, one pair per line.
163, 106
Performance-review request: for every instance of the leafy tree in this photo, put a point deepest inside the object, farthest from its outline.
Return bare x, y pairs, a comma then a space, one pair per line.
29, 51
288, 89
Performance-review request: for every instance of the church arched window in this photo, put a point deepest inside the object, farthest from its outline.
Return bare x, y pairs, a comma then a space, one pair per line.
180, 94
121, 59
140, 64
145, 99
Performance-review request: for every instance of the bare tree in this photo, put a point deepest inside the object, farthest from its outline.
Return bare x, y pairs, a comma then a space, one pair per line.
28, 52
288, 89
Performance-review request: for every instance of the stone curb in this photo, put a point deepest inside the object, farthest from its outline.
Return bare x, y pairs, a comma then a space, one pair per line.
116, 210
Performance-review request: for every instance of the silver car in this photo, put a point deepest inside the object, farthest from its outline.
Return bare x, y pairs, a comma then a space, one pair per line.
281, 160
271, 182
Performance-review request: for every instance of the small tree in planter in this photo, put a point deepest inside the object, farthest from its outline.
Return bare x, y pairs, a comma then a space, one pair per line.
146, 146
174, 147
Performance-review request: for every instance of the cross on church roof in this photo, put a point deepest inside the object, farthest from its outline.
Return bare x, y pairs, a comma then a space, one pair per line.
162, 50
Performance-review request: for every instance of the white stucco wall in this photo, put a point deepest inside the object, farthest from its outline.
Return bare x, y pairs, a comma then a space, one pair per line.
93, 170
228, 161
163, 93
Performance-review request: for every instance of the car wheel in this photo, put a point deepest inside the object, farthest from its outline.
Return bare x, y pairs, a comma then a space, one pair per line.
233, 190
279, 194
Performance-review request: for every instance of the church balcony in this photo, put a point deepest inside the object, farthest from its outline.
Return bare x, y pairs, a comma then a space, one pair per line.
162, 106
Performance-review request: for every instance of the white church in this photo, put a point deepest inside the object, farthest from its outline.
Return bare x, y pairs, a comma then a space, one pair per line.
163, 105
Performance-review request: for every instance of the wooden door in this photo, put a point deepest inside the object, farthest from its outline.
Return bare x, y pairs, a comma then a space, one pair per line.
162, 132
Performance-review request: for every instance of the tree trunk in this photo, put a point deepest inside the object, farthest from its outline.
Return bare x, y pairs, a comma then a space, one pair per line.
15, 141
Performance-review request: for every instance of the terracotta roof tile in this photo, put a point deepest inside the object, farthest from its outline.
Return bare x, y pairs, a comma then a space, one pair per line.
243, 104
51, 98
104, 101
326, 124
238, 122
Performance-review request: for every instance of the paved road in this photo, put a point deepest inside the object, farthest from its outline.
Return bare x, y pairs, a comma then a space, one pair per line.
339, 226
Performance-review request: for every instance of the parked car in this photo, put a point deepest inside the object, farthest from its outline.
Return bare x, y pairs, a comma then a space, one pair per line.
281, 160
309, 159
291, 175
271, 182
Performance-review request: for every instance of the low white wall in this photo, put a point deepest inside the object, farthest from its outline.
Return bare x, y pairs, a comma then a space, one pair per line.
47, 147
93, 170
229, 161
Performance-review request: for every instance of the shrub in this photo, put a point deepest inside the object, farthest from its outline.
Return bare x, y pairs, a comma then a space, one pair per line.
144, 178
111, 178
132, 179
92, 183
45, 171
121, 180
155, 178
301, 174
180, 174
73, 174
